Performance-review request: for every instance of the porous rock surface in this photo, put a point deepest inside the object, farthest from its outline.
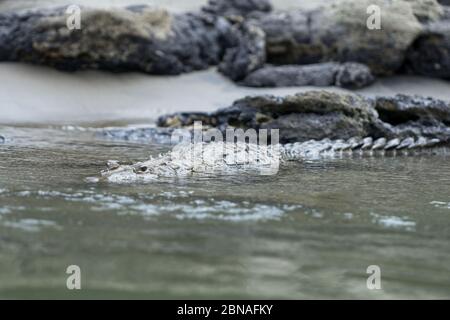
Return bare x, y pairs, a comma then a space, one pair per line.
320, 114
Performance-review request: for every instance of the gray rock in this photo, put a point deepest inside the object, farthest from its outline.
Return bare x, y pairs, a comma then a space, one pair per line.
429, 55
426, 10
347, 75
338, 32
318, 115
304, 116
321, 74
136, 38
402, 109
237, 7
415, 116
353, 76
241, 37
289, 38
245, 51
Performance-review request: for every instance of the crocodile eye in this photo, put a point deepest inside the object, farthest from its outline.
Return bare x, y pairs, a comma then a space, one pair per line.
143, 169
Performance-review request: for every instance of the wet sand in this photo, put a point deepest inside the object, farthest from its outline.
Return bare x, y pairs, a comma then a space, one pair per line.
35, 94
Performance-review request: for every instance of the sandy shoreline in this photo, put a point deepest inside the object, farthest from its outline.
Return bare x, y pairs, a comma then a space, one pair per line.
34, 94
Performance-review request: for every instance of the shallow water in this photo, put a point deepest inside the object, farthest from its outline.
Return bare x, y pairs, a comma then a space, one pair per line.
309, 232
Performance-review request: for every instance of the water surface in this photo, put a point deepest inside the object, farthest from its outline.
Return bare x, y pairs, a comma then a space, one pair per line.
309, 232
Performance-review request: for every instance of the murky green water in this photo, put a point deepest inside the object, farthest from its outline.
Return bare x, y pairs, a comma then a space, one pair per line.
309, 232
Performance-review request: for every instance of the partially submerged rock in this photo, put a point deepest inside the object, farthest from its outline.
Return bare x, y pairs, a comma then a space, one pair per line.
319, 114
2, 139
304, 116
415, 116
346, 75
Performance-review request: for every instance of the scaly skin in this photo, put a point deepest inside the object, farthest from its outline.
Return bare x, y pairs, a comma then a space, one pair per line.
227, 158
201, 158
367, 146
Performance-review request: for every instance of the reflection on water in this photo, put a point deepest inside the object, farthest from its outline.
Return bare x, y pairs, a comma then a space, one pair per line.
309, 232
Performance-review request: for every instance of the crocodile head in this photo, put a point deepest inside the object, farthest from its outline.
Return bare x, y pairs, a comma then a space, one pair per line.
207, 158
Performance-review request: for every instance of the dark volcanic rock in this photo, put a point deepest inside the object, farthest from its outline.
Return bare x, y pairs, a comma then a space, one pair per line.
338, 32
319, 114
135, 38
347, 75
245, 51
241, 37
289, 38
430, 53
426, 10
415, 115
353, 76
311, 115
237, 7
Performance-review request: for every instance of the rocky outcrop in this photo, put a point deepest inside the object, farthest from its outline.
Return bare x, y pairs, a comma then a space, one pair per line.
426, 10
413, 30
339, 33
243, 8
245, 51
346, 75
248, 41
304, 116
429, 55
415, 116
135, 38
318, 115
